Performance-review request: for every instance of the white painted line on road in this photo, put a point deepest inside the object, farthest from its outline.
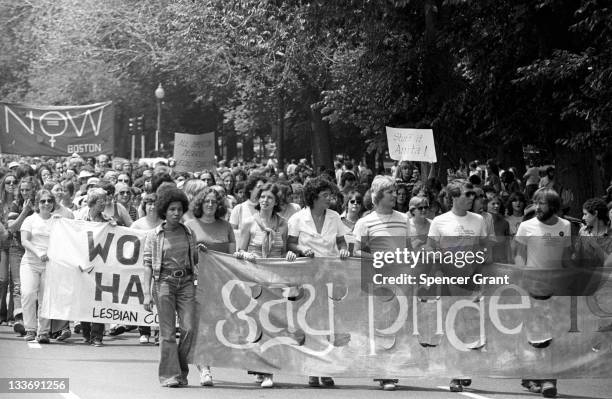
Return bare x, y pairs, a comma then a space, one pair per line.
468, 394
34, 345
70, 395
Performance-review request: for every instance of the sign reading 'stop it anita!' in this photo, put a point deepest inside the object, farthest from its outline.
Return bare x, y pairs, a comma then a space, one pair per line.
87, 130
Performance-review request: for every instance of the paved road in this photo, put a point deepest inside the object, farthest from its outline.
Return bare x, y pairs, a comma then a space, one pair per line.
125, 369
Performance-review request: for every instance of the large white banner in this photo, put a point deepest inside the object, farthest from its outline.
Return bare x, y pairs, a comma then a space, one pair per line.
95, 273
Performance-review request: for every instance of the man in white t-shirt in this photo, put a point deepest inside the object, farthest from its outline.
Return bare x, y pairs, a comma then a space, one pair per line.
459, 230
544, 242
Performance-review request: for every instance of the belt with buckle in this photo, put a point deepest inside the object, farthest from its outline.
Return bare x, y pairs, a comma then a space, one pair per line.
177, 273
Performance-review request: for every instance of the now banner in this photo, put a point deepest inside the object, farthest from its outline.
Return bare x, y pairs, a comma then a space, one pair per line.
312, 317
87, 130
95, 274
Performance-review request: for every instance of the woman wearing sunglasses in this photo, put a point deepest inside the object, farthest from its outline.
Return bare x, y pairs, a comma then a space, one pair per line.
35, 232
8, 186
353, 210
123, 196
418, 224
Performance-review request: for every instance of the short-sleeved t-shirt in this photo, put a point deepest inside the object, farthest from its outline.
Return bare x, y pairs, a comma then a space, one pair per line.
39, 230
380, 232
452, 231
545, 243
175, 254
216, 236
302, 226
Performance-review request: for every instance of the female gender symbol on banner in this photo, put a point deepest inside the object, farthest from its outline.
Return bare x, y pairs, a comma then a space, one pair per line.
51, 122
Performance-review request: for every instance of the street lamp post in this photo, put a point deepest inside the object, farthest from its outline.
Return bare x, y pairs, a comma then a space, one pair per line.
159, 94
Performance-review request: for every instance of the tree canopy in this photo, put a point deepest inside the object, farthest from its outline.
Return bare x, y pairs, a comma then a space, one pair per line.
480, 73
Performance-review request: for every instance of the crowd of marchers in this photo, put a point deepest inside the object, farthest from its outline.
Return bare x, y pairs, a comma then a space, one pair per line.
258, 210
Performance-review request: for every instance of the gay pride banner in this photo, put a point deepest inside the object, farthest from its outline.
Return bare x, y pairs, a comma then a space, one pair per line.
311, 317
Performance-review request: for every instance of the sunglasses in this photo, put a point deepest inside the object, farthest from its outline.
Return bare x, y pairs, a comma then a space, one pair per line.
213, 202
354, 201
10, 182
471, 194
124, 193
46, 201
123, 180
422, 208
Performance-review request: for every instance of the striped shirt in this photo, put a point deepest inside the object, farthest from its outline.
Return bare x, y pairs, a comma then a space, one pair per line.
378, 232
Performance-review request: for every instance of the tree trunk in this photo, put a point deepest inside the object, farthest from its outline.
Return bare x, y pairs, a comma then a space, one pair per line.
247, 147
280, 140
321, 143
229, 137
578, 178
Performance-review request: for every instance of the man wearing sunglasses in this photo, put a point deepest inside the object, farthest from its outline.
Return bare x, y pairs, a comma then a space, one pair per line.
459, 230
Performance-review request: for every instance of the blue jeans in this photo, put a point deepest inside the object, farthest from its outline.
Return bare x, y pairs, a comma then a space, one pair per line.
15, 255
174, 295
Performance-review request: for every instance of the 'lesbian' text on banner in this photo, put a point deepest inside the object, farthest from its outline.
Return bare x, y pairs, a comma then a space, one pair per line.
95, 273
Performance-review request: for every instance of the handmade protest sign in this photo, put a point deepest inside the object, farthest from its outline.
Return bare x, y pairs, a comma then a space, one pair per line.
87, 130
194, 152
312, 317
95, 273
411, 144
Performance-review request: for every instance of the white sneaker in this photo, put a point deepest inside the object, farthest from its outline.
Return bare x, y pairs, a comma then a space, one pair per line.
206, 378
144, 339
267, 382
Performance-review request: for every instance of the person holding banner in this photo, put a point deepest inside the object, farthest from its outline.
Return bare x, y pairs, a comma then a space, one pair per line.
149, 221
94, 212
381, 230
213, 232
264, 235
317, 231
544, 242
170, 260
35, 232
20, 209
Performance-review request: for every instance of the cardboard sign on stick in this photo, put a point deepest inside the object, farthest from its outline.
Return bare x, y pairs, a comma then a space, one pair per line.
411, 144
194, 152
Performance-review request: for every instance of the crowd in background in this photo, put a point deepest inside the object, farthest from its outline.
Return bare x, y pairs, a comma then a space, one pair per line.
255, 210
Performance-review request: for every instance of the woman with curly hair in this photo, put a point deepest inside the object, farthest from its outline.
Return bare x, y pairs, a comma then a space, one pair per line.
215, 233
171, 260
192, 188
